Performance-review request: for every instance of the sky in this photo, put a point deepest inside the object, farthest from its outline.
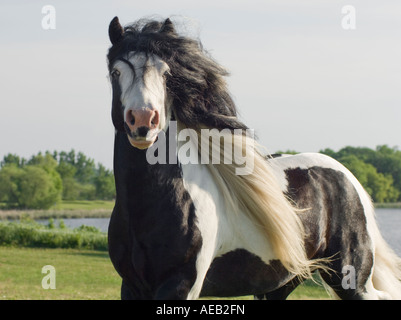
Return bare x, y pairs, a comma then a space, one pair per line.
301, 78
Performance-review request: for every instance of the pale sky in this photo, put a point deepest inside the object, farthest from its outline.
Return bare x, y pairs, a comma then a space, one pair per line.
299, 79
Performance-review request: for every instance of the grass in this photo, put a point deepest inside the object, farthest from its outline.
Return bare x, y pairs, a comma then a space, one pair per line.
28, 233
86, 205
65, 210
390, 205
80, 275
309, 290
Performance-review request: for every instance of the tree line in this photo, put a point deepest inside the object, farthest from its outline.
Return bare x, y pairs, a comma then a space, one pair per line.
379, 170
45, 179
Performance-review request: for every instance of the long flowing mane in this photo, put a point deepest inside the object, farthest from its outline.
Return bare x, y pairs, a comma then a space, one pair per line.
196, 82
200, 99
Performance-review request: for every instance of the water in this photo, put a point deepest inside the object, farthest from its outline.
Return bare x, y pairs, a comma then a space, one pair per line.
389, 221
100, 223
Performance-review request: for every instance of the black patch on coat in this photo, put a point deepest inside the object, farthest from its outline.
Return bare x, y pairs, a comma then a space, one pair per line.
335, 223
153, 239
240, 273
117, 110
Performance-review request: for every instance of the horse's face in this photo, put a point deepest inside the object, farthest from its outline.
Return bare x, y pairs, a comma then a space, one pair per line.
139, 81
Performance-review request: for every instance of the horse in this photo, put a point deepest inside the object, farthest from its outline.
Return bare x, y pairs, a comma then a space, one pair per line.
185, 225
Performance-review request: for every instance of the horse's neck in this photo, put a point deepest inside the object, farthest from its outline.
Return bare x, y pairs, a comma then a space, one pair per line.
134, 175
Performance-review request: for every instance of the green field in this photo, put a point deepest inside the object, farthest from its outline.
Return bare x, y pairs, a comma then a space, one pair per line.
80, 275
85, 205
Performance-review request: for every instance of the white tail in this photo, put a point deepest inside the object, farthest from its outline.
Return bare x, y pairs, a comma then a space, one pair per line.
387, 268
386, 273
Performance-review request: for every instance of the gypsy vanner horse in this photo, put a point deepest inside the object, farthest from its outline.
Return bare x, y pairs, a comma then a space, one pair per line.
184, 229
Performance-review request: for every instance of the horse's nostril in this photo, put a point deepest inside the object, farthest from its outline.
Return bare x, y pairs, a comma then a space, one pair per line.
132, 120
142, 131
138, 118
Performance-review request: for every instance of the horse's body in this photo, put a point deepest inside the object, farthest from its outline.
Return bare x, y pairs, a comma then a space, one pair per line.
172, 234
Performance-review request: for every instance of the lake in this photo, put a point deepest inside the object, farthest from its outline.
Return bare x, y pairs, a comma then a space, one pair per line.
389, 221
100, 223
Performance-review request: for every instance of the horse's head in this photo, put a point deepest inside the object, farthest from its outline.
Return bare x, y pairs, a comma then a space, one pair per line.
140, 103
156, 73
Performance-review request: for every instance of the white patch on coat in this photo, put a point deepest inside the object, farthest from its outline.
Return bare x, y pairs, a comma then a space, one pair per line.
143, 90
220, 232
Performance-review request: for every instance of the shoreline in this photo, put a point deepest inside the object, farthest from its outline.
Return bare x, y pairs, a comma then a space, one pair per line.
98, 212
55, 214
390, 205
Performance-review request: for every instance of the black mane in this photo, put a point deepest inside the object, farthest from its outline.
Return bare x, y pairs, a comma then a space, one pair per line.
195, 82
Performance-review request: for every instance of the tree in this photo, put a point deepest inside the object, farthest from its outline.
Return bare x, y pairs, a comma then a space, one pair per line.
13, 159
29, 187
72, 175
384, 177
39, 189
10, 177
67, 172
388, 161
379, 186
104, 183
86, 169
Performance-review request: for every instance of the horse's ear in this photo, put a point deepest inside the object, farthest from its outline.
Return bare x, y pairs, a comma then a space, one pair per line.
116, 31
167, 27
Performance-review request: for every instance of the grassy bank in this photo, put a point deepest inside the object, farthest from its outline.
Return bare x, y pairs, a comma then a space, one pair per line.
66, 209
390, 205
92, 209
80, 275
31, 234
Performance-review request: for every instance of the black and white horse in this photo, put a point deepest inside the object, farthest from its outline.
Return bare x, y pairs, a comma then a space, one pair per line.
184, 226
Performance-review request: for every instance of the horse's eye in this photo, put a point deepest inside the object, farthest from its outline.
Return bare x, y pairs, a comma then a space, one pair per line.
115, 73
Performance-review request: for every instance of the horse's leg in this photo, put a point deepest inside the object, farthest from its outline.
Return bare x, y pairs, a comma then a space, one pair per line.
131, 292
354, 284
281, 293
126, 293
350, 274
176, 287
